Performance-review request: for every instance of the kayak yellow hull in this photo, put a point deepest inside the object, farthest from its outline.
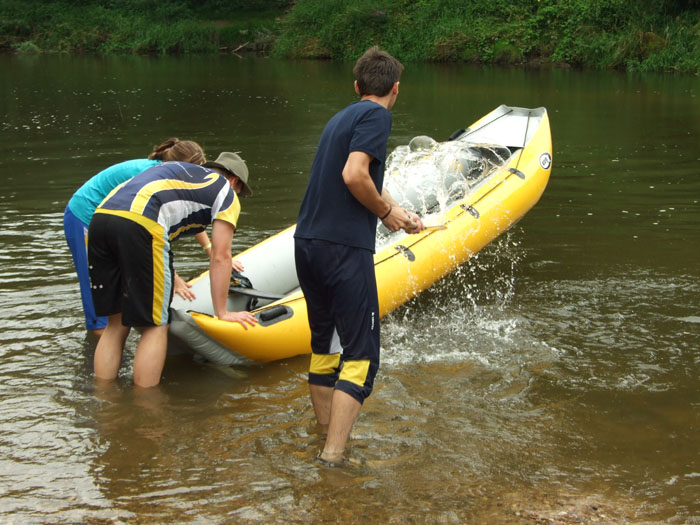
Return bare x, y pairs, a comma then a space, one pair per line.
409, 265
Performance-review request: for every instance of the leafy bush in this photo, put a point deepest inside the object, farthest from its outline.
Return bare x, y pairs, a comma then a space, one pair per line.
124, 26
639, 36
586, 33
27, 48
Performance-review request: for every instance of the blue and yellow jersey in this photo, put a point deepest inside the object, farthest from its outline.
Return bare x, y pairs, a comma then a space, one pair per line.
182, 198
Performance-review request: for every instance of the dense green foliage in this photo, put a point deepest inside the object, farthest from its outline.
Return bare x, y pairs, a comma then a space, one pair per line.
633, 35
638, 35
137, 26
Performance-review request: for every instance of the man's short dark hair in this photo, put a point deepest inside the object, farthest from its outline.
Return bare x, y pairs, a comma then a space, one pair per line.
376, 71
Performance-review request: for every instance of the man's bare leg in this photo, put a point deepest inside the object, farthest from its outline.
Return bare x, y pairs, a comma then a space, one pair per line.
150, 356
108, 353
321, 397
344, 412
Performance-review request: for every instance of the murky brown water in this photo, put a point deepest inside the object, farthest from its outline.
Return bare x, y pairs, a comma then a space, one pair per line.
554, 377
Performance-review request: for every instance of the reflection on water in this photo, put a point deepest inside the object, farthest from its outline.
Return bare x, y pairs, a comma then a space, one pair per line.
554, 377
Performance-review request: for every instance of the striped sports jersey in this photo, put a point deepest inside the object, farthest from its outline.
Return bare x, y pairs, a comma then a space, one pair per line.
182, 198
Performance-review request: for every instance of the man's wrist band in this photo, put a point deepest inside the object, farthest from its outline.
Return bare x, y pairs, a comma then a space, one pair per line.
387, 213
207, 247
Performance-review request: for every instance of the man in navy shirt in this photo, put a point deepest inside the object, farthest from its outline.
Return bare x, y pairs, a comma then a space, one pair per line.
334, 247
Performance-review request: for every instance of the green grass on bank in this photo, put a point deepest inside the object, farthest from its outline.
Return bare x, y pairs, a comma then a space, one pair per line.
638, 35
138, 26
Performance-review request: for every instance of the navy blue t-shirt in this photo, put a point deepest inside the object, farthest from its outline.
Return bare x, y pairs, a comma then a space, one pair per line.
329, 211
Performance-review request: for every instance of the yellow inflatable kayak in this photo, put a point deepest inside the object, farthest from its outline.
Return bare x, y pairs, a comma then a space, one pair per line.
468, 190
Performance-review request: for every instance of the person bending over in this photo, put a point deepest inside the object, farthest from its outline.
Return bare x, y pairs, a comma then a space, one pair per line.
85, 200
131, 265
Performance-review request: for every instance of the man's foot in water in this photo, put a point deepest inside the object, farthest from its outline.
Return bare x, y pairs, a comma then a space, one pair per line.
331, 460
337, 461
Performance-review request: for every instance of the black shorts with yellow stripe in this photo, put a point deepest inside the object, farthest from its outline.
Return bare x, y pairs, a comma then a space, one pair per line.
131, 268
341, 296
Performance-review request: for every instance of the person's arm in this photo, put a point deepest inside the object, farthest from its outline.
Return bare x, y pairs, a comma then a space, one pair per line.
388, 197
357, 179
180, 286
220, 274
204, 242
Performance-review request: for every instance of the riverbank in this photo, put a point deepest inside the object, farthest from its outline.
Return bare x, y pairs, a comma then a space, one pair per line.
166, 27
607, 34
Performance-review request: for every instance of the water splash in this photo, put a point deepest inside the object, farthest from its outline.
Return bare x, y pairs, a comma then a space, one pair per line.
470, 315
428, 176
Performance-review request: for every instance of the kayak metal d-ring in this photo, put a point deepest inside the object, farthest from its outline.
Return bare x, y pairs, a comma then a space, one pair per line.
471, 209
406, 252
517, 172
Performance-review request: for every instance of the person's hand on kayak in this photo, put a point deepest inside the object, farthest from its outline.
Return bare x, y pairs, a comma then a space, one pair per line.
417, 225
240, 317
181, 288
237, 265
400, 218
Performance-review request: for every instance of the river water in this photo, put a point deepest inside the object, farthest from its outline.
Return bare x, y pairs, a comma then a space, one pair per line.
554, 377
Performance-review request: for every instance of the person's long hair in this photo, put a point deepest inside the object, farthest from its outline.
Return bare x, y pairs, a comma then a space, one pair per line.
176, 149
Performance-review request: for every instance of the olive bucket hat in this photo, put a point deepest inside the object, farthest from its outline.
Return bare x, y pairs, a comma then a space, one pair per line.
232, 163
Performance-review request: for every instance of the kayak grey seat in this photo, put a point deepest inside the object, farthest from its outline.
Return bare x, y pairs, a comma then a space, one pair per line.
241, 285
